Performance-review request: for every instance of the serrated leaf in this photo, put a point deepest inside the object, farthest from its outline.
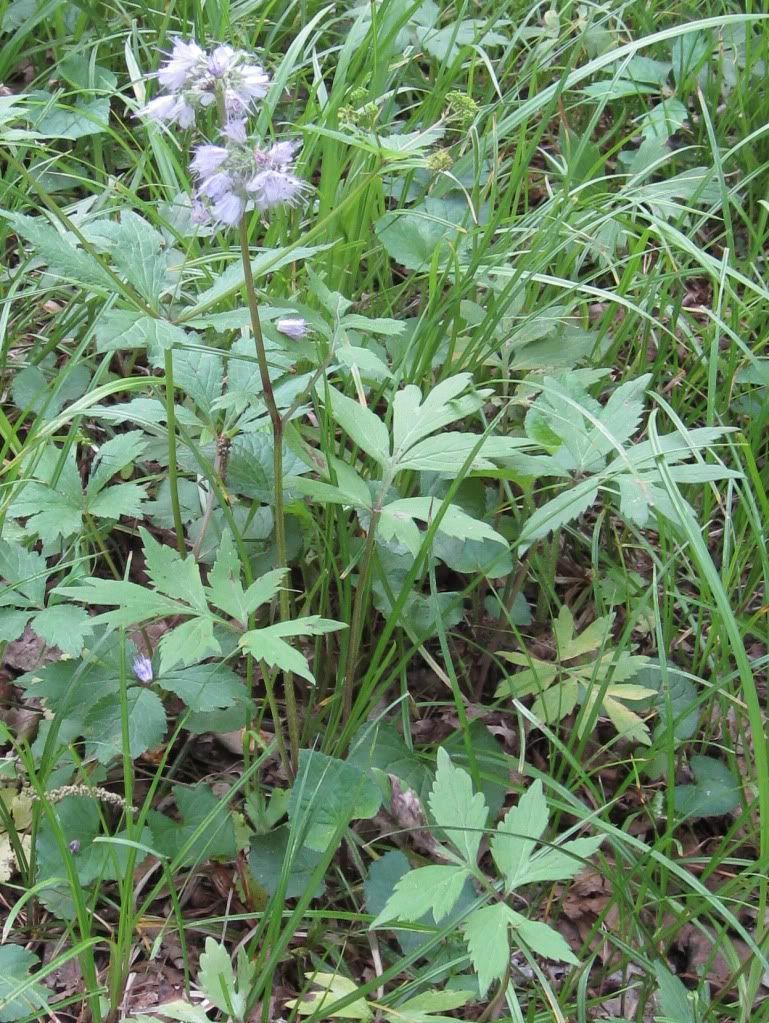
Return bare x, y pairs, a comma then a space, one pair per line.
415, 418
60, 252
434, 889
461, 813
628, 724
204, 687
24, 571
541, 938
673, 996
188, 643
122, 499
327, 794
64, 626
123, 329
562, 862
146, 725
488, 942
267, 645
517, 834
559, 511
173, 575
216, 978
134, 603
333, 987
113, 456
16, 965
139, 253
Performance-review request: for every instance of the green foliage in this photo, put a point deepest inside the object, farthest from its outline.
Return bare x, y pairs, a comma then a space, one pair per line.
714, 793
461, 815
585, 673
20, 995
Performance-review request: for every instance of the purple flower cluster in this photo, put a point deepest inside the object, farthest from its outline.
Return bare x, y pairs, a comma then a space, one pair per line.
193, 80
236, 175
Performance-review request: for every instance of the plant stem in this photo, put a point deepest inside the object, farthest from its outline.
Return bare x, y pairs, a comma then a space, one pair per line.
277, 465
356, 623
173, 478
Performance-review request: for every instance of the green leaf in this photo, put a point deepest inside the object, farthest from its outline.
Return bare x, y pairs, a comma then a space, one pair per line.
114, 455
326, 795
488, 942
561, 862
216, 978
135, 603
123, 329
274, 855
64, 626
123, 499
489, 759
430, 231
204, 687
673, 997
146, 725
16, 965
434, 889
362, 426
171, 574
381, 747
415, 418
541, 938
266, 645
460, 813
517, 834
333, 988
553, 514
60, 252
716, 790
205, 823
188, 643
139, 252
23, 571
78, 120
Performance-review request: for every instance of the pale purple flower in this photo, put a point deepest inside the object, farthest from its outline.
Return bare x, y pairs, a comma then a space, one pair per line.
162, 108
199, 214
216, 185
142, 667
208, 159
270, 188
185, 114
293, 326
228, 209
235, 130
185, 58
221, 60
254, 81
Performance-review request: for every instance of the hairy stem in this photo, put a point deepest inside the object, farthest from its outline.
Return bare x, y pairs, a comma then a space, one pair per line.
277, 464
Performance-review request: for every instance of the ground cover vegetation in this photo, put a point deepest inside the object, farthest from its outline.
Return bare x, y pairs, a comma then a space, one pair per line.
384, 508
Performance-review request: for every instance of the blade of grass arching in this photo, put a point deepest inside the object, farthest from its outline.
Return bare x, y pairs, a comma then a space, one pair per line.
730, 629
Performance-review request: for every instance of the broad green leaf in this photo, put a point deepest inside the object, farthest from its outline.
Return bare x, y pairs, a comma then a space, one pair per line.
488, 942
113, 456
333, 988
430, 231
415, 418
75, 120
146, 725
561, 862
454, 521
449, 451
363, 427
274, 855
327, 794
188, 643
557, 512
122, 499
715, 791
518, 833
64, 626
489, 760
541, 938
381, 747
24, 571
204, 687
139, 253
16, 965
60, 251
434, 889
205, 822
122, 329
456, 809
171, 574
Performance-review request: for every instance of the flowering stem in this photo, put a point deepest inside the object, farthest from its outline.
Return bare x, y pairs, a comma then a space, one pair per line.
277, 463
173, 477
